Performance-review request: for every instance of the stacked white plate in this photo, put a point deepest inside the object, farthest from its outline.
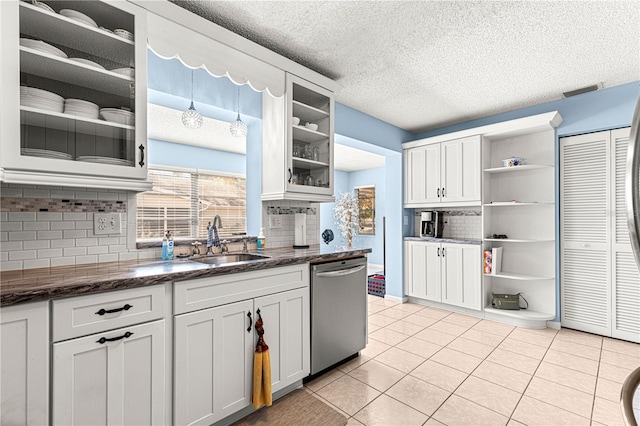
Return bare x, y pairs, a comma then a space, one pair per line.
129, 72
87, 62
81, 108
41, 46
105, 160
123, 33
45, 153
38, 98
77, 16
43, 6
116, 115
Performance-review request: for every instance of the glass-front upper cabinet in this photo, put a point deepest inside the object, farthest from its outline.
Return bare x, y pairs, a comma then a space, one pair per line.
297, 144
73, 84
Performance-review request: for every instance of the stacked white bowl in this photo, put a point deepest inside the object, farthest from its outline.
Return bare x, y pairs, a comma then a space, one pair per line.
116, 115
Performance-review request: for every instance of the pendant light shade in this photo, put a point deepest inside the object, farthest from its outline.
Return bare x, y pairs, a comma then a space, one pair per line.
191, 118
238, 128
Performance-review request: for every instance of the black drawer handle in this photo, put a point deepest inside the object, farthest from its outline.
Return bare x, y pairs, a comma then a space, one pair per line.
250, 322
110, 311
141, 148
103, 340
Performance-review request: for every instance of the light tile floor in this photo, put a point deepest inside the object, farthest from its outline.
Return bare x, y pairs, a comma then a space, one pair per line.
425, 366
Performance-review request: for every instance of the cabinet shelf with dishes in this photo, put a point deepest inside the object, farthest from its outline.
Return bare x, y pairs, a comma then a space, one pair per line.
518, 169
74, 95
307, 159
527, 261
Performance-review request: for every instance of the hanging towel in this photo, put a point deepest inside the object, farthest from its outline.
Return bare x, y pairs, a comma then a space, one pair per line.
261, 369
209, 235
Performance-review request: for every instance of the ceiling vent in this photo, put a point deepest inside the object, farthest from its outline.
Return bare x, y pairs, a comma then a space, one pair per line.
582, 90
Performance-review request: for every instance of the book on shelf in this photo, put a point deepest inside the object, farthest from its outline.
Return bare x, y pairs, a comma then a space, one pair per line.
492, 261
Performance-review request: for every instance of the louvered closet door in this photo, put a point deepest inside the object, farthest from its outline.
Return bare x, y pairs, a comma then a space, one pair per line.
625, 278
585, 224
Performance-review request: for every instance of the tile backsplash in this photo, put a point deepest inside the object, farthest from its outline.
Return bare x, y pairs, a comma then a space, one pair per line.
43, 226
462, 223
284, 237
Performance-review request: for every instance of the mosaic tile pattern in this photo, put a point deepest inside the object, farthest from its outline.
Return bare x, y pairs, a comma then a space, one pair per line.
19, 204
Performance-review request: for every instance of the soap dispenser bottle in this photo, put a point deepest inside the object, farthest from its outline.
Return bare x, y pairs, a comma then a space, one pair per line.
262, 240
167, 246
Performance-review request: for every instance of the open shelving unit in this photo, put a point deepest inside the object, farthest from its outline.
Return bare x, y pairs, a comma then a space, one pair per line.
529, 251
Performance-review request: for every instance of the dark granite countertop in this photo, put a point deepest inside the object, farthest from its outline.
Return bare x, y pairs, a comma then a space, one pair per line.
443, 240
31, 285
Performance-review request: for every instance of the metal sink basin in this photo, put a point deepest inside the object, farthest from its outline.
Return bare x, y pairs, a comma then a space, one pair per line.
222, 259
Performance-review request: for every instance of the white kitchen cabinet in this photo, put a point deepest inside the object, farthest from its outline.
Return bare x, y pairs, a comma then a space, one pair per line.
213, 363
215, 338
444, 272
443, 173
24, 364
301, 168
39, 145
114, 377
286, 322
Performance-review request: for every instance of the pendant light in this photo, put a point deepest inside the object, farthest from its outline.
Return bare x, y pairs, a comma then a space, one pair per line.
238, 128
191, 118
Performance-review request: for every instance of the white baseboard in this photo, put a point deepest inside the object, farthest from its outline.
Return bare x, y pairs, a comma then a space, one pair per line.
554, 324
396, 298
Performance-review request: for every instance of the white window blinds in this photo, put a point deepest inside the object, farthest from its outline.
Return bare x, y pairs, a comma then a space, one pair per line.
184, 203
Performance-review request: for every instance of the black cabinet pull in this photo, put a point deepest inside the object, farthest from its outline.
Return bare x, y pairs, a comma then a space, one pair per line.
438, 251
104, 340
250, 322
110, 311
442, 192
438, 192
290, 175
141, 148
442, 251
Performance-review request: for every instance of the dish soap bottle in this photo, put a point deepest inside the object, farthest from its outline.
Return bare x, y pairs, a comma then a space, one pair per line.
167, 246
262, 240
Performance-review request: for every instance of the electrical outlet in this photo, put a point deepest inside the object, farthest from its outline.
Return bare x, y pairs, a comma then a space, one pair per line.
406, 220
106, 223
275, 221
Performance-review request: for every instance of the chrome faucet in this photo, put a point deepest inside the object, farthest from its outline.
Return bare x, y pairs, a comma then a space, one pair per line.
217, 220
244, 244
224, 246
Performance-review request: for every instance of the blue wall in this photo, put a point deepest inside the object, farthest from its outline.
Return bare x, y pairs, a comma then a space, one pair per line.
169, 84
169, 153
345, 182
604, 109
359, 130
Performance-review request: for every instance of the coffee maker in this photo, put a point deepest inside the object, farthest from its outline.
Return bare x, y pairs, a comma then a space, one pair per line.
431, 224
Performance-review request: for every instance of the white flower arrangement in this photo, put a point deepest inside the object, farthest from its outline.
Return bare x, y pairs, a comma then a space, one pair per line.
346, 213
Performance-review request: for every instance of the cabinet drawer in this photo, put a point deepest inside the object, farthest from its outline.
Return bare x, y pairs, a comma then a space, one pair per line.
205, 293
79, 316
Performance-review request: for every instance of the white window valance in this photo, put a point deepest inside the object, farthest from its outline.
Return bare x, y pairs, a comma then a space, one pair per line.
170, 40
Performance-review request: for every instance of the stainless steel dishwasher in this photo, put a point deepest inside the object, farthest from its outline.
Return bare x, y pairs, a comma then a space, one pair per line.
338, 311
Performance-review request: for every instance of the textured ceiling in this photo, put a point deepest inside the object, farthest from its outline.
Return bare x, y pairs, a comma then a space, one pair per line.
425, 64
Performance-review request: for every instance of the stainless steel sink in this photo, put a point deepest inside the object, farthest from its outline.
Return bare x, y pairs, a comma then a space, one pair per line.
229, 258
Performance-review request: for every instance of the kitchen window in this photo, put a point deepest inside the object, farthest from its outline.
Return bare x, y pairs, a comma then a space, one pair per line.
184, 201
367, 209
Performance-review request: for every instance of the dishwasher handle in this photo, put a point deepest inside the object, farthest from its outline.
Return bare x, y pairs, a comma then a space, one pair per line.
340, 273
